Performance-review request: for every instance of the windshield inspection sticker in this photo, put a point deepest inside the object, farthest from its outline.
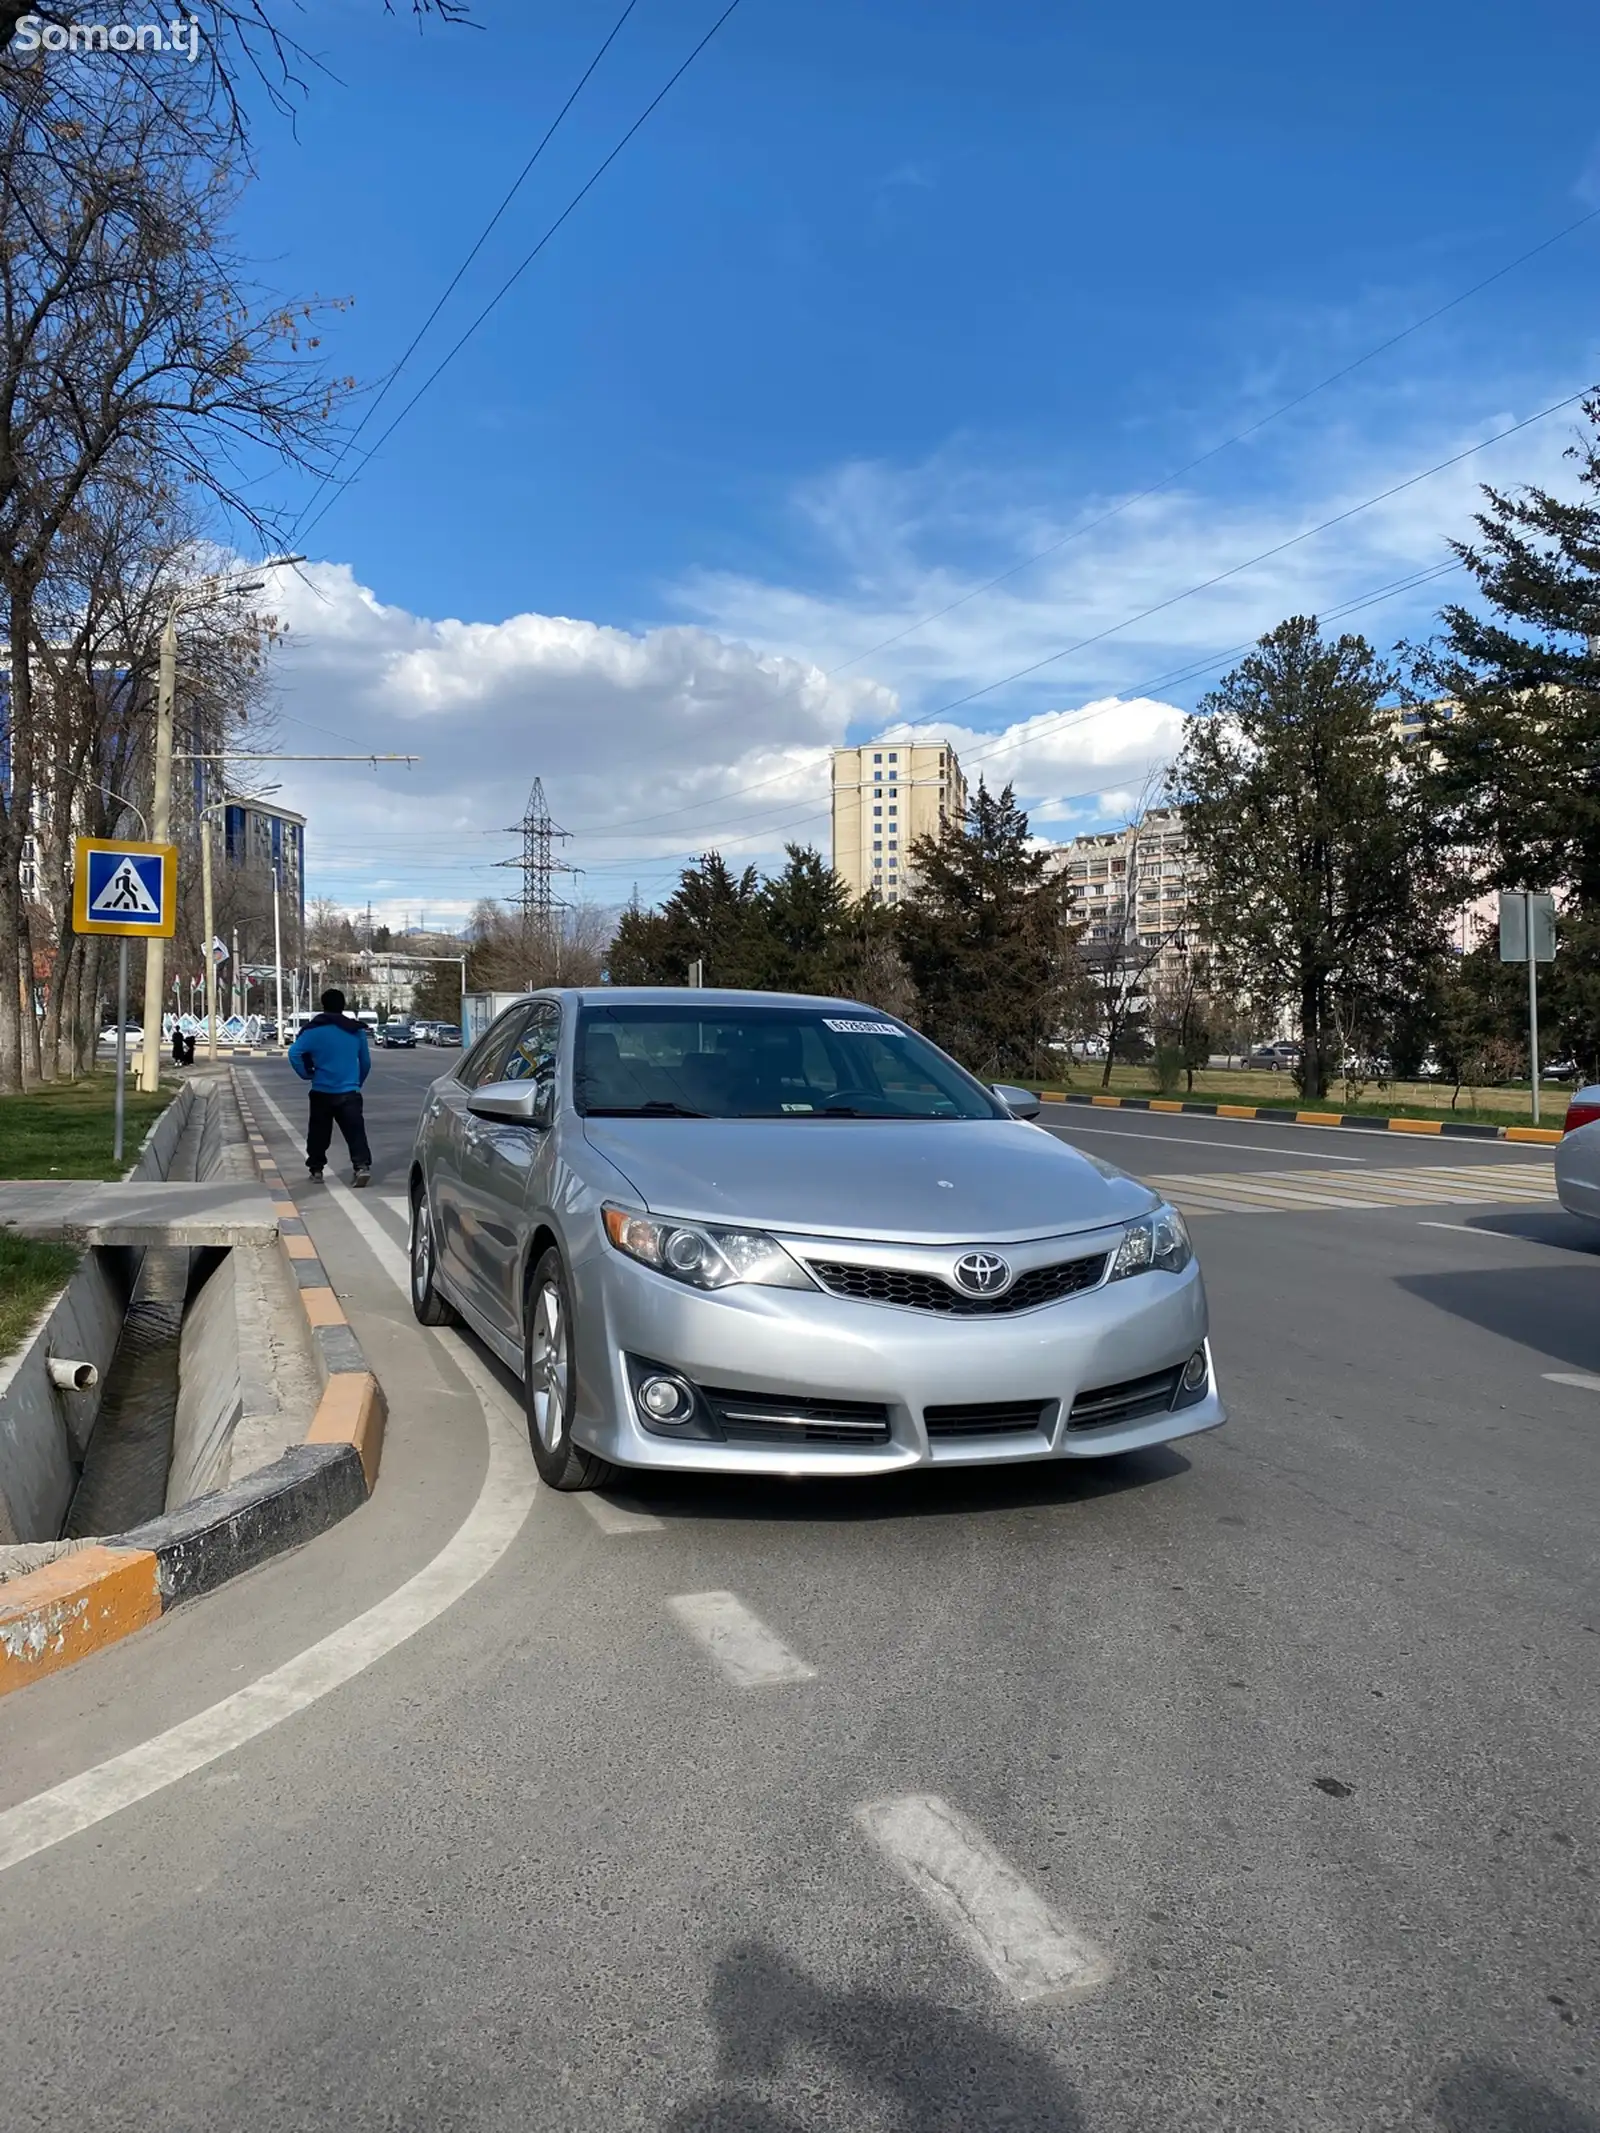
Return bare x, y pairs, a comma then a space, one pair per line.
862, 1029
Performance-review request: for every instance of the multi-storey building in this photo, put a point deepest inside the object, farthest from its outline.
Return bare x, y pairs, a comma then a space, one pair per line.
885, 796
266, 840
1133, 887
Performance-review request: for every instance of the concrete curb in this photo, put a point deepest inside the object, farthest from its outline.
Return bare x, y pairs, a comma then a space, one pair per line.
1455, 1129
52, 1617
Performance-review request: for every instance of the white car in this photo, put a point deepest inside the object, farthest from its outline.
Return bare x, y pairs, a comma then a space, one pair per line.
1578, 1157
108, 1037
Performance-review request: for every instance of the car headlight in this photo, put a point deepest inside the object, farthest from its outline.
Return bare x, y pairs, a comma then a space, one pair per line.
705, 1258
1156, 1241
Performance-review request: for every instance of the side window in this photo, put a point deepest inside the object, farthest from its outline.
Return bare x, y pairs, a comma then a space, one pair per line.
486, 1061
532, 1057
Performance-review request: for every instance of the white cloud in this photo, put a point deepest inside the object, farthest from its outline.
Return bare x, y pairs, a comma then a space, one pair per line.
714, 728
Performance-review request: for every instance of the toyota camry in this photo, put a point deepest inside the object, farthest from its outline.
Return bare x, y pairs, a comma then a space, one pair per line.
761, 1234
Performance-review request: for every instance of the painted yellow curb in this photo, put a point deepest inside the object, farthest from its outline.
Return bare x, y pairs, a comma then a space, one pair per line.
1236, 1110
57, 1615
1316, 1118
322, 1307
297, 1247
1162, 1103
1109, 1103
1416, 1125
1547, 1136
1052, 1096
352, 1411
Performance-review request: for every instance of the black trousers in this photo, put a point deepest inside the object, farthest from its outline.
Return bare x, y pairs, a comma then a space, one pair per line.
345, 1109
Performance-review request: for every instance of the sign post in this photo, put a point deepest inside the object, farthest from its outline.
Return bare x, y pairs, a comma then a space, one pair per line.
1528, 934
125, 889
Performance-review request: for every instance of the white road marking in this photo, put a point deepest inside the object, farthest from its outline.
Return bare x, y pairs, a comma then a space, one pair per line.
1462, 1229
740, 1644
984, 1900
471, 1553
1190, 1140
1573, 1377
484, 1535
613, 1517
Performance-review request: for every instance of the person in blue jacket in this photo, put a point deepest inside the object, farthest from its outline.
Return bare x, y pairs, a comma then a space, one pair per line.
331, 1053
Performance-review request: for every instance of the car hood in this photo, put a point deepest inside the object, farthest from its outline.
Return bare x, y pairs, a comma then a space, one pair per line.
941, 1182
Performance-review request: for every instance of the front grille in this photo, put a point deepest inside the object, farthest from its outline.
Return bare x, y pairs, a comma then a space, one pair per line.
927, 1292
1127, 1402
988, 1418
777, 1418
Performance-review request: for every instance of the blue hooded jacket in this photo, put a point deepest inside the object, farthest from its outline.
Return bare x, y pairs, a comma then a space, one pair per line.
331, 1053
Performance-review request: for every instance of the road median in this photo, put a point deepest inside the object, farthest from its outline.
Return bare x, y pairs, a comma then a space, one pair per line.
1282, 1115
97, 1594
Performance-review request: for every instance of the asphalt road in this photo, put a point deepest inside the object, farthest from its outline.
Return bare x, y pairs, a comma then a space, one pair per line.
1286, 1739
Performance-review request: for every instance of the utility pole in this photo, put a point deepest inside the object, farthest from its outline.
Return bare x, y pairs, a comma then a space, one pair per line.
155, 950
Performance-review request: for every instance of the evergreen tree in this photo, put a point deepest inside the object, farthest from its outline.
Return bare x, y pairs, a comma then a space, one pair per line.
988, 940
711, 916
1515, 728
1322, 883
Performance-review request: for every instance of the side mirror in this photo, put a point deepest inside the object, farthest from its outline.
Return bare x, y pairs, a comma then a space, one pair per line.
513, 1103
1021, 1103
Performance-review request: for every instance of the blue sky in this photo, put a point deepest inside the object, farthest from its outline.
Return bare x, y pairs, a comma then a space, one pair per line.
885, 298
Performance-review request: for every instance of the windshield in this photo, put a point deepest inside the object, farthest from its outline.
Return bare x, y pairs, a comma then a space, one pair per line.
765, 1062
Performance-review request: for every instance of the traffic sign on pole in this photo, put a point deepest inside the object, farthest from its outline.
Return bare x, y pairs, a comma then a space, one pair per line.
125, 888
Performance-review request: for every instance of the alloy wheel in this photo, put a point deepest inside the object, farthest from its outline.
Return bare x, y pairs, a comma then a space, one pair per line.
548, 1366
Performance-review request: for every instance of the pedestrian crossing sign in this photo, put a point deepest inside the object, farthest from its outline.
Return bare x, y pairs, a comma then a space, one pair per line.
125, 888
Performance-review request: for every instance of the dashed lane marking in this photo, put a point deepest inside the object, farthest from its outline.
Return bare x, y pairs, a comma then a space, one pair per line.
613, 1517
984, 1900
1573, 1377
741, 1646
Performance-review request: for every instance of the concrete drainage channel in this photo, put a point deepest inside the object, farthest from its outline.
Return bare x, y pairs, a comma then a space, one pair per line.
192, 1403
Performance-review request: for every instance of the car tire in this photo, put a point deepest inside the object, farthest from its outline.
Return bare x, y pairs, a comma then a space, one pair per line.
550, 1382
428, 1306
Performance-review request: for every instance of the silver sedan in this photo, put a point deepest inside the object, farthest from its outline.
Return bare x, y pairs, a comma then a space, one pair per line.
1577, 1160
754, 1233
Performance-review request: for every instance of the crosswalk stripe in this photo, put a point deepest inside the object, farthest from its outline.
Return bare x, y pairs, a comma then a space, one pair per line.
1259, 1192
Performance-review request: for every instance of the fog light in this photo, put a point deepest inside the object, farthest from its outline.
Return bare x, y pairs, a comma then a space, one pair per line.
1194, 1371
665, 1399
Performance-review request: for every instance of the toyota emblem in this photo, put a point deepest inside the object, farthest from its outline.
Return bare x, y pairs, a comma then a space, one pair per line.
982, 1274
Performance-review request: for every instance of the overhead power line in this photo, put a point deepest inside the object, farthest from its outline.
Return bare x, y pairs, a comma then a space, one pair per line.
454, 282
1239, 436
517, 272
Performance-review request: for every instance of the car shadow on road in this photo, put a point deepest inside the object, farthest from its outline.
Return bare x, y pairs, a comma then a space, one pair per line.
1539, 1225
902, 2063
1548, 1309
1481, 2097
922, 1492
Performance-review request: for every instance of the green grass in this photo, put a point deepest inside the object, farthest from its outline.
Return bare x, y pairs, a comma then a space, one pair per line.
64, 1130
1407, 1099
30, 1275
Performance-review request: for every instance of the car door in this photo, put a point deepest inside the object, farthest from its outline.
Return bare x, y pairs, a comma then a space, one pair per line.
448, 1123
505, 1173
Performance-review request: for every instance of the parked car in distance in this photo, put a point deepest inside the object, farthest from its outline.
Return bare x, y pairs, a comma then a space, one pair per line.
446, 1033
1281, 1057
750, 1233
398, 1036
422, 1031
1578, 1156
108, 1037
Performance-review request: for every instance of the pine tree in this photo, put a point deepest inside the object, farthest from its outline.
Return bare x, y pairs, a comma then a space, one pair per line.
1515, 728
1322, 885
988, 941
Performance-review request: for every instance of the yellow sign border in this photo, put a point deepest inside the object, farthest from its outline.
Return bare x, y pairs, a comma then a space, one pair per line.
83, 923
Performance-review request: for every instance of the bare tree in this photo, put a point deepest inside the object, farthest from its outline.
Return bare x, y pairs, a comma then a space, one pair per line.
133, 349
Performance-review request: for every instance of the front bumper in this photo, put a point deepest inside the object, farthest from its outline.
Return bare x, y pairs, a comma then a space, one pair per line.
801, 1344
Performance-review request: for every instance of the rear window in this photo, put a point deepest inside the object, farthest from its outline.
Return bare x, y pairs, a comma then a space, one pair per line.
766, 1062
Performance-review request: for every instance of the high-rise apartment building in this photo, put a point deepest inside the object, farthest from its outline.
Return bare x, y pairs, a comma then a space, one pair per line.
1131, 887
265, 840
885, 796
